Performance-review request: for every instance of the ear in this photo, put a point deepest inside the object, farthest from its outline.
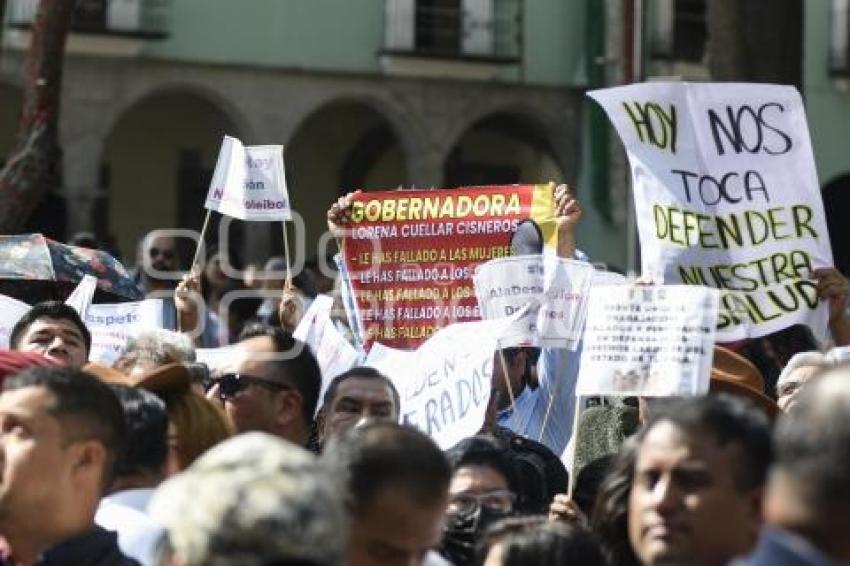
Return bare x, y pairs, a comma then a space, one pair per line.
288, 404
88, 458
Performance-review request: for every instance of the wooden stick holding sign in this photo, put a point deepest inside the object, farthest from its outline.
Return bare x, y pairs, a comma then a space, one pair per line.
200, 242
288, 283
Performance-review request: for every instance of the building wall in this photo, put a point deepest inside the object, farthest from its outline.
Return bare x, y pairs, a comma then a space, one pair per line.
827, 98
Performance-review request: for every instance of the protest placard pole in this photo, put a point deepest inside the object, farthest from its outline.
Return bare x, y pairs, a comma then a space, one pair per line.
507, 378
200, 241
288, 284
575, 440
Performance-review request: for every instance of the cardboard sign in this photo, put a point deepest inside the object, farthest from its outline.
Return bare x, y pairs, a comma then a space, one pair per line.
648, 341
410, 255
248, 182
111, 325
333, 352
559, 286
445, 384
11, 311
727, 196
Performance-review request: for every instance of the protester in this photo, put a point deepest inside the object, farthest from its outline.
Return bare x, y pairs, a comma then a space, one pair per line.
139, 471
54, 330
154, 348
272, 385
610, 518
63, 432
796, 373
397, 493
698, 482
359, 395
196, 424
808, 496
253, 500
484, 488
520, 541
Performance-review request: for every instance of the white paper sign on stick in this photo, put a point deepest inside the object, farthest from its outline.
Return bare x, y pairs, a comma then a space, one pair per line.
727, 196
111, 325
249, 183
444, 384
82, 295
648, 341
11, 311
333, 352
561, 317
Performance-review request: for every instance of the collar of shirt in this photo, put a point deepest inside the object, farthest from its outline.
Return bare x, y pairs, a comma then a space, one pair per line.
87, 548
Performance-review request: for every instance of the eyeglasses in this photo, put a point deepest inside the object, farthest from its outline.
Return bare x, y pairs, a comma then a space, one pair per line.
230, 384
495, 500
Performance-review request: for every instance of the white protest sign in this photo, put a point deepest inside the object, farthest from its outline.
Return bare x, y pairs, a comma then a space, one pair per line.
111, 325
82, 295
727, 196
248, 182
567, 283
559, 286
333, 352
648, 341
11, 311
445, 383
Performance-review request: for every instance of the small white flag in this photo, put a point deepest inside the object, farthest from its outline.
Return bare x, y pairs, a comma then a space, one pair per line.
248, 182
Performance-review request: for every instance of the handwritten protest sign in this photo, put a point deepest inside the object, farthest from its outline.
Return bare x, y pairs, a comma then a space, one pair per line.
648, 341
11, 311
333, 352
248, 182
445, 384
111, 325
410, 255
727, 196
558, 286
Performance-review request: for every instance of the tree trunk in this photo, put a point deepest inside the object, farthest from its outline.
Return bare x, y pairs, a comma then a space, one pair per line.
756, 40
34, 166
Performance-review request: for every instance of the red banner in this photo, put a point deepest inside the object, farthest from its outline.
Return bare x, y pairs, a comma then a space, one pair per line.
410, 255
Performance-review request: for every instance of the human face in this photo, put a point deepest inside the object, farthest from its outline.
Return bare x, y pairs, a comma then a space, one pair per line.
358, 399
395, 530
787, 391
162, 253
479, 485
257, 407
57, 338
684, 505
513, 369
34, 458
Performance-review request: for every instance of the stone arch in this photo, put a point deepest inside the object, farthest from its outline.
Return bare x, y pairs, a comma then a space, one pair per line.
342, 144
157, 161
509, 144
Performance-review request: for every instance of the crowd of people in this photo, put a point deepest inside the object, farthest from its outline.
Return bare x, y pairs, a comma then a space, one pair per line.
156, 460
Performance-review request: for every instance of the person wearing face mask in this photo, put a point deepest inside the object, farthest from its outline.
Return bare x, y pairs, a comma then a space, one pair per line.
483, 489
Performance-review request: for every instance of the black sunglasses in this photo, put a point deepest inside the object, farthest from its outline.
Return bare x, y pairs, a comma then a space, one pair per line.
229, 384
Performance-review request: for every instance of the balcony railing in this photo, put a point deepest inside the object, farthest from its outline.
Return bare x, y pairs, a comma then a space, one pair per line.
136, 18
487, 30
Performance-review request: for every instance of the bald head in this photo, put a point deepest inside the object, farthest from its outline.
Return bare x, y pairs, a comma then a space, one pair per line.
810, 486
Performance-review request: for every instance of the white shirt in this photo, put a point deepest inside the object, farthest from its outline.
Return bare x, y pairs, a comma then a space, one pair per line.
125, 512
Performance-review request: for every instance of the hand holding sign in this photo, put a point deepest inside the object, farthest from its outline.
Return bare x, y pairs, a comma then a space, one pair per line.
568, 212
339, 214
187, 297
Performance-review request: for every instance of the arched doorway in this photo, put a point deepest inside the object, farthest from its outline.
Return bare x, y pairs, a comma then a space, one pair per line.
502, 149
157, 163
340, 147
836, 203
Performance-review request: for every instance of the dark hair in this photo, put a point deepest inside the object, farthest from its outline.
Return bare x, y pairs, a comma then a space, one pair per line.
360, 372
49, 309
487, 451
610, 519
87, 408
813, 445
299, 367
536, 540
729, 420
589, 481
532, 354
387, 456
147, 431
